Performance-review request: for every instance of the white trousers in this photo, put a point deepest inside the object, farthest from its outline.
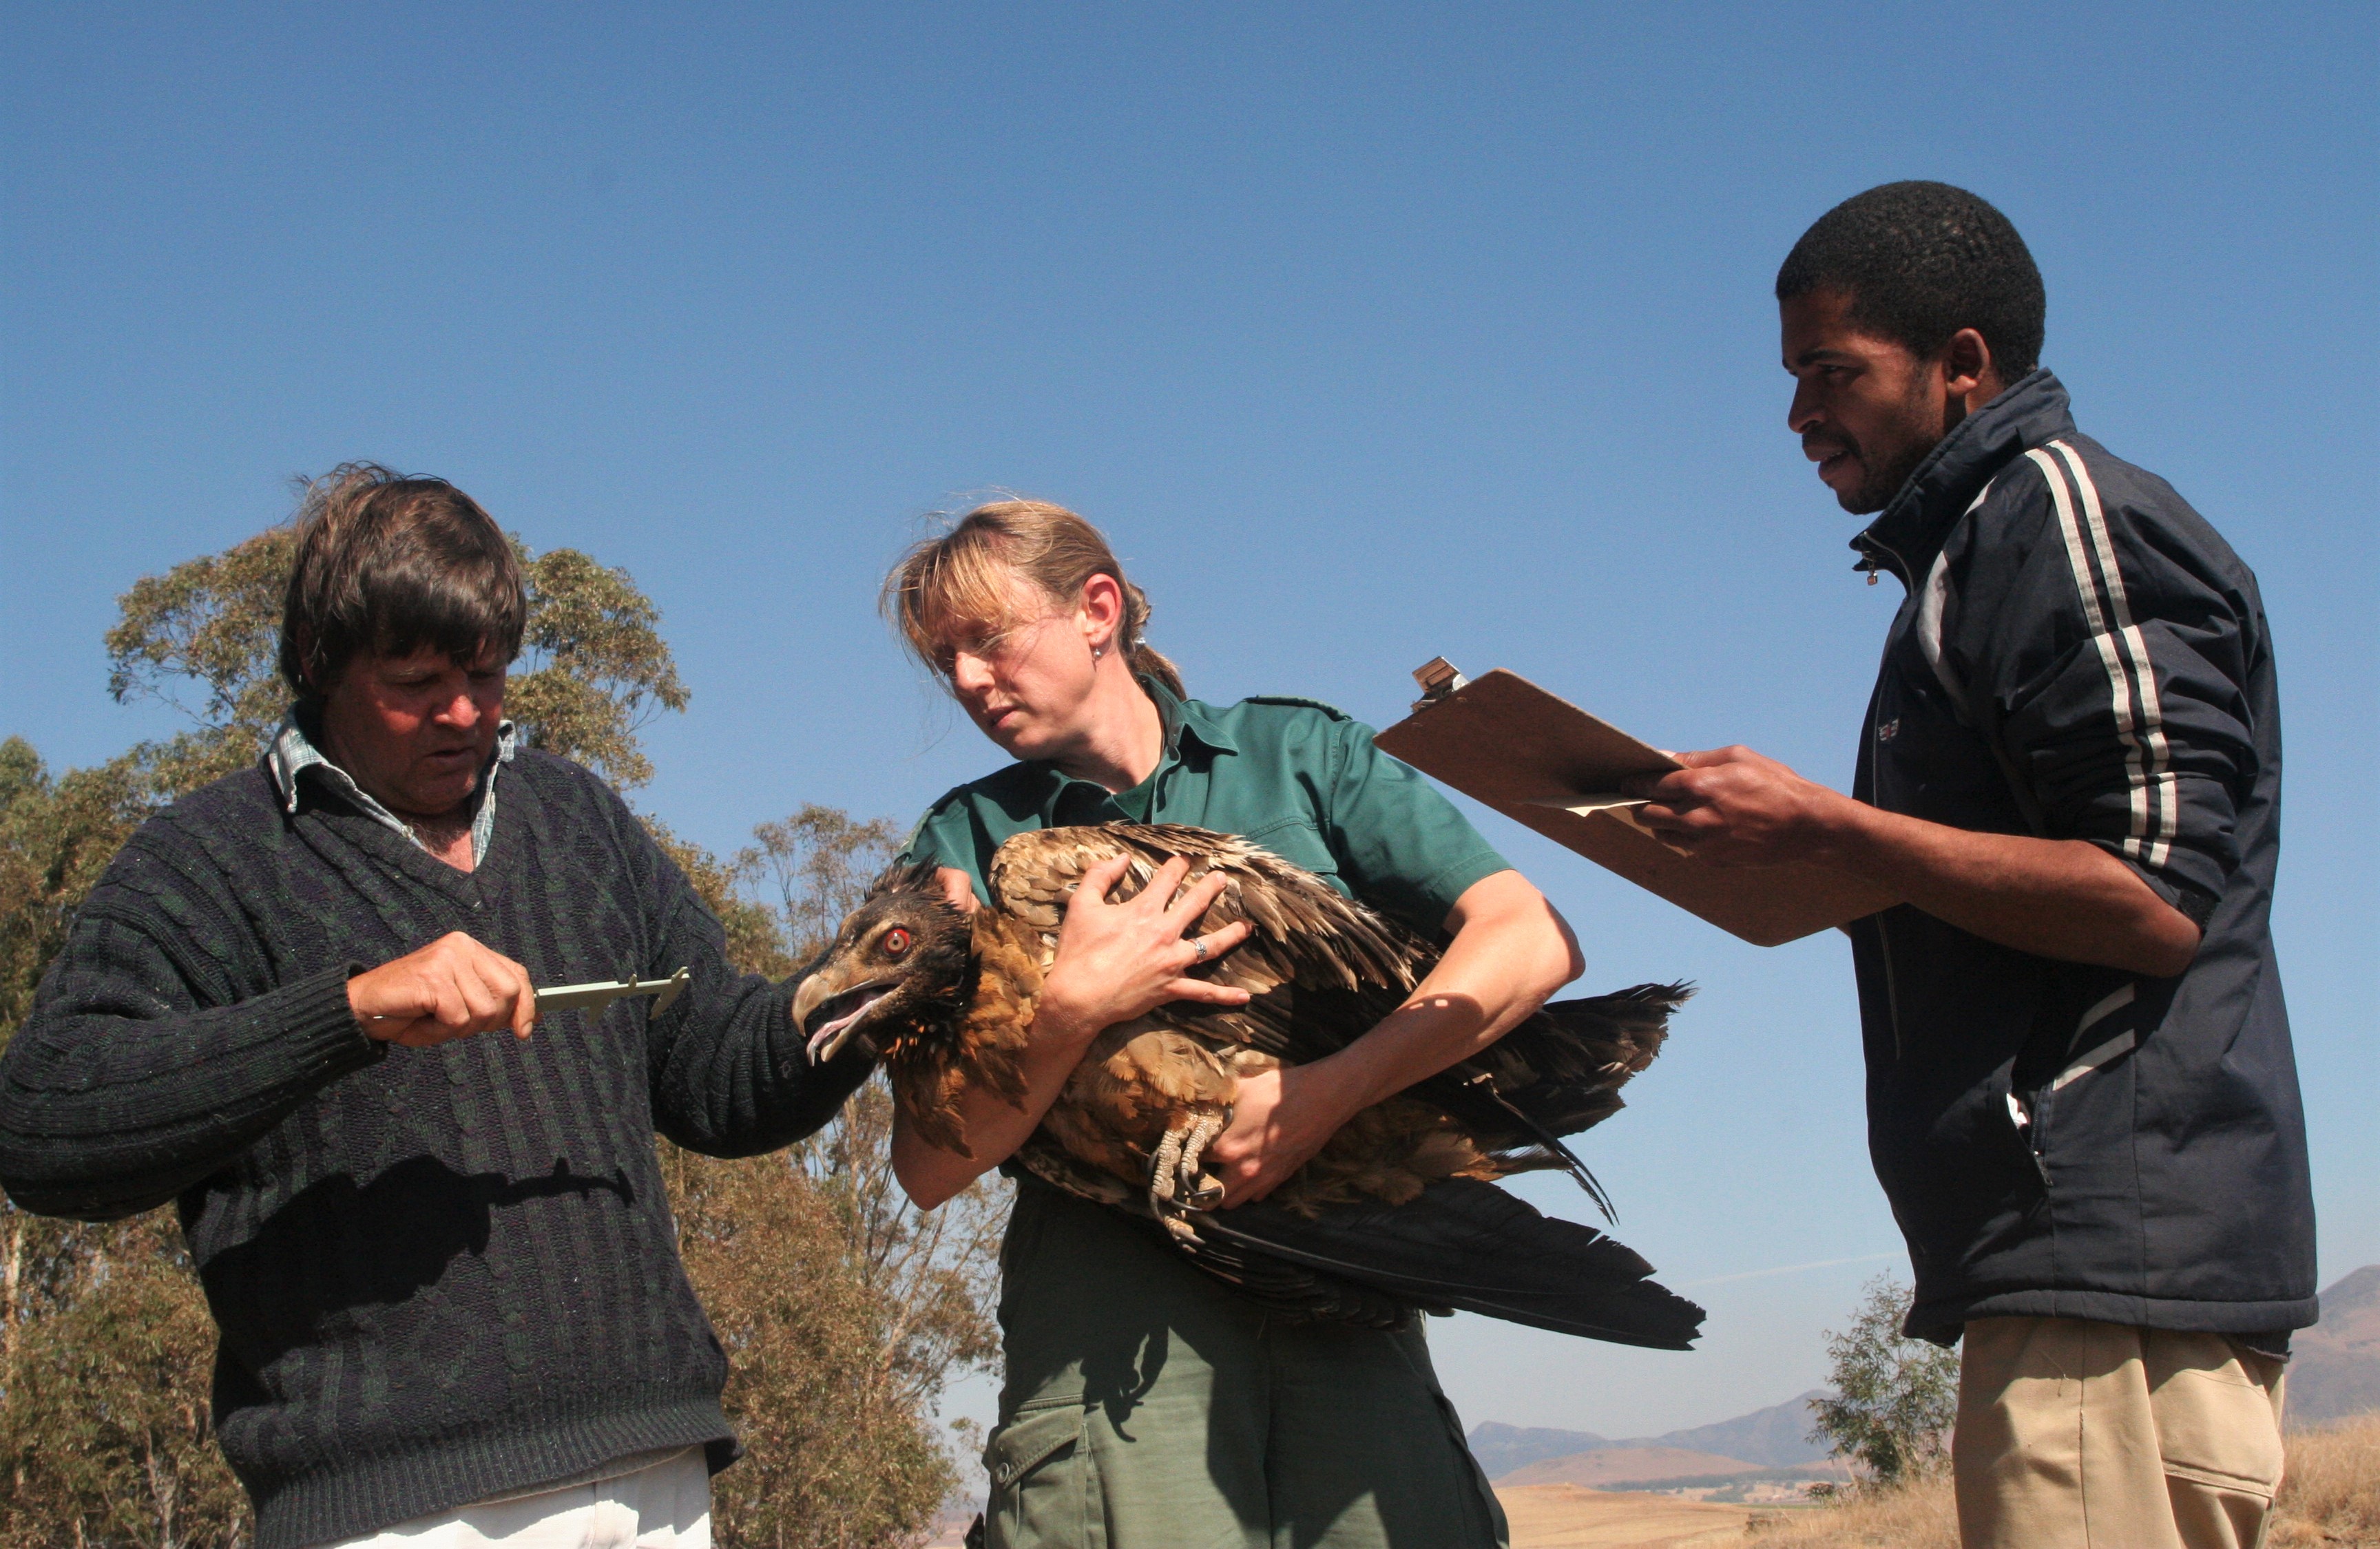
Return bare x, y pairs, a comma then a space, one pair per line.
667, 1506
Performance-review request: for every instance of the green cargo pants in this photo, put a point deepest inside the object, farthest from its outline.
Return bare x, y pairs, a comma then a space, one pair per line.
1148, 1407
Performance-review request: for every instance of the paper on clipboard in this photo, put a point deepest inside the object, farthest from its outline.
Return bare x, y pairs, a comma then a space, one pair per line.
1610, 804
1553, 768
1585, 806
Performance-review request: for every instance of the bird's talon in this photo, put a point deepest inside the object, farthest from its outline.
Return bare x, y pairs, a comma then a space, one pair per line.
1177, 1184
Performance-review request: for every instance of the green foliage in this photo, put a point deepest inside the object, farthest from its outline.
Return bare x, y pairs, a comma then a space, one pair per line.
810, 870
934, 1275
205, 637
819, 863
843, 1310
1895, 1397
837, 1355
105, 1437
837, 1454
56, 836
755, 945
594, 669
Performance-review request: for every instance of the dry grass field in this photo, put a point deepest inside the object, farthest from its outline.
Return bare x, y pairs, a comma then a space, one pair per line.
1921, 1516
2332, 1494
1572, 1517
2331, 1500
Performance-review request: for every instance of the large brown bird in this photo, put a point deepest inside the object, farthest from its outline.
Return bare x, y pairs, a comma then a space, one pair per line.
1397, 1211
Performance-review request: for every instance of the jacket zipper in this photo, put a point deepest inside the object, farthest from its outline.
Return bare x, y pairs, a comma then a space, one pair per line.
1883, 929
1876, 554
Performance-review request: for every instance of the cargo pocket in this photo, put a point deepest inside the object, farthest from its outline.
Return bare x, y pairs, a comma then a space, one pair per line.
2218, 1412
1044, 1490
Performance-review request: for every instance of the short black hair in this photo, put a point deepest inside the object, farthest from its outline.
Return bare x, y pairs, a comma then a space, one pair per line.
390, 564
1920, 261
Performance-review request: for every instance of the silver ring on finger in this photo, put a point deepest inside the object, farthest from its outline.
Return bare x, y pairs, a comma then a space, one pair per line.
1198, 946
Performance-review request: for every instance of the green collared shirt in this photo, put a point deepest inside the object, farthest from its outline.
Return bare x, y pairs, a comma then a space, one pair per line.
1295, 775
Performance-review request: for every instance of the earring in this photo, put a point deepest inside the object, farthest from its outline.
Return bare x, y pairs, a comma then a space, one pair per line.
1097, 651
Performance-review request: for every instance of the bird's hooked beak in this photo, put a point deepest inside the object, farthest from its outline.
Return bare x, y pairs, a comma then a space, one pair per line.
826, 1010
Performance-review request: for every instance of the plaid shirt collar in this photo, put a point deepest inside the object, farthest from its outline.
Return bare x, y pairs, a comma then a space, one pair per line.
293, 754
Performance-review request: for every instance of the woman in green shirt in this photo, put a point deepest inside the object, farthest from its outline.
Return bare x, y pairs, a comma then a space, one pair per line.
1146, 1404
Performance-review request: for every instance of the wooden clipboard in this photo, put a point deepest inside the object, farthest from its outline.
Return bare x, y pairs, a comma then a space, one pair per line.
1550, 766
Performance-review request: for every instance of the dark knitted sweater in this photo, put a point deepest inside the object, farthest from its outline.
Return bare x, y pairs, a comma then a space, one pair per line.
440, 1274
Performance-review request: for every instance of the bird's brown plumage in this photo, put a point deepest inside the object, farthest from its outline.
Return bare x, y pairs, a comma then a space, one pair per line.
1395, 1211
1320, 971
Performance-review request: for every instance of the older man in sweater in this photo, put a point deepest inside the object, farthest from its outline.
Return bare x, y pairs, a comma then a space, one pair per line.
443, 1263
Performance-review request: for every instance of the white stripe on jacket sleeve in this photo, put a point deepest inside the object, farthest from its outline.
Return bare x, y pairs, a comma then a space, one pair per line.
1932, 606
2131, 676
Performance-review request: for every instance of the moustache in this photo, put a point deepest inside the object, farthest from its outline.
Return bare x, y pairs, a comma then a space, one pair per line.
1820, 448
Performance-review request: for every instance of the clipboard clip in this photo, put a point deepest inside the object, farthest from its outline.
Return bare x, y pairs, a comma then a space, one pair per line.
1440, 679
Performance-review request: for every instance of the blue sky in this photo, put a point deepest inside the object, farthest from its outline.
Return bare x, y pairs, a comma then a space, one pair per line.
1370, 332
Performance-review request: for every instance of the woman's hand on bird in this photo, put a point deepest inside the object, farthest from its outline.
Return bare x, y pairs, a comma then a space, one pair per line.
1279, 1118
1118, 961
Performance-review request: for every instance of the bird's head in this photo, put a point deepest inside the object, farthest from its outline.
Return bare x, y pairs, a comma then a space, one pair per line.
899, 974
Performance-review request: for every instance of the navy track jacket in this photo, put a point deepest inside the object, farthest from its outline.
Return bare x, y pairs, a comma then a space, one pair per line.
2081, 657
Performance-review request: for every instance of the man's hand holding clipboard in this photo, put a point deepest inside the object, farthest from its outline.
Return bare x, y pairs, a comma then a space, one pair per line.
1585, 784
1758, 850
1735, 807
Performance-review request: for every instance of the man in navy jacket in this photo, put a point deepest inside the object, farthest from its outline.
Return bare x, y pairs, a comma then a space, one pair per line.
2082, 1099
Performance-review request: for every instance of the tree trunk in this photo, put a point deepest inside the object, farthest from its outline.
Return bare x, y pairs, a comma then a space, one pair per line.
10, 1280
162, 1491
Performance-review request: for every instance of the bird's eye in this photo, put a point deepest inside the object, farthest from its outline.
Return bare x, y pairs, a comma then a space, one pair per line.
895, 942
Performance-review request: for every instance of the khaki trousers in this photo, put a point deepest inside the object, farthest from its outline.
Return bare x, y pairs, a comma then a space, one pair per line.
2075, 1435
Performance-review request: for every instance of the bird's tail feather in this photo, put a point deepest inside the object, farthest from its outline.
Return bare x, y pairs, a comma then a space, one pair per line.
1558, 1153
1470, 1245
1560, 1070
1556, 1074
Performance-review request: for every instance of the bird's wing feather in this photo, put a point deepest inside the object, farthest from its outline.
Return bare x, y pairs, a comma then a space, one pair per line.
1470, 1245
1562, 1068
1320, 969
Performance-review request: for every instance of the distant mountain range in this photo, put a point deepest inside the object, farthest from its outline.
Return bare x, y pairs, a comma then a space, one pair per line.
2334, 1373
2335, 1366
1775, 1437
1503, 1448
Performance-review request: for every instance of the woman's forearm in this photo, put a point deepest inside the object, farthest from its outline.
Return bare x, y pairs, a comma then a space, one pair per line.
1511, 950
993, 1126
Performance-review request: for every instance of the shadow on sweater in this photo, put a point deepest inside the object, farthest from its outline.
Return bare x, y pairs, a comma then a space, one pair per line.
336, 1249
